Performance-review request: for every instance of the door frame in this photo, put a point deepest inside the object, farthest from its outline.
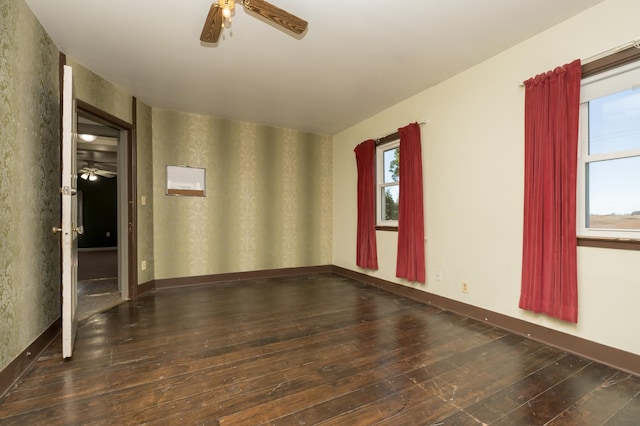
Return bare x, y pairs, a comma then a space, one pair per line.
127, 209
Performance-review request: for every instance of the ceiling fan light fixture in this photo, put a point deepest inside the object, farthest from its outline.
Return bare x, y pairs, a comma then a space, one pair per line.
87, 138
85, 175
92, 177
221, 11
227, 7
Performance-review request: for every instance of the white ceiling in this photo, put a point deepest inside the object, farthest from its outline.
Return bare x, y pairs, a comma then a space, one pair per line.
356, 58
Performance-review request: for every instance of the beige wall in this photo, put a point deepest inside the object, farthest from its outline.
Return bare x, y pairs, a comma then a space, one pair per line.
29, 180
268, 201
473, 175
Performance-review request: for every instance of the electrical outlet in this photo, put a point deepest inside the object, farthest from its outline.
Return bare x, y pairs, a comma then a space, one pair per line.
465, 286
143, 265
438, 275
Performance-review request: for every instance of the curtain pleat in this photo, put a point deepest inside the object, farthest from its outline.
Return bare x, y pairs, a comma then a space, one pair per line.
549, 253
366, 250
411, 263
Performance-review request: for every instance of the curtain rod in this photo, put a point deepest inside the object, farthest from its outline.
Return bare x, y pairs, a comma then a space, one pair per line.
629, 44
393, 136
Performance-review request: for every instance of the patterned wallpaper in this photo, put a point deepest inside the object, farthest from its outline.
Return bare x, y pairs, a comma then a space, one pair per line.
108, 97
100, 93
145, 188
268, 202
29, 180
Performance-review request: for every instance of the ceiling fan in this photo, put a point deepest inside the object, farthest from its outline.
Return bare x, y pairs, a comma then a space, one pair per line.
92, 173
223, 10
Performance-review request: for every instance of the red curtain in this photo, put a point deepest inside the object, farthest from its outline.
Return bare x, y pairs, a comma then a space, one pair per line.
366, 250
410, 263
549, 269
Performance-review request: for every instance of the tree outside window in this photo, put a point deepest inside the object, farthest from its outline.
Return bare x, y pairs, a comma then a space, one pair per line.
388, 185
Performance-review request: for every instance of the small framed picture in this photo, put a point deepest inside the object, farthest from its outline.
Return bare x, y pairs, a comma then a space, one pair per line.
183, 180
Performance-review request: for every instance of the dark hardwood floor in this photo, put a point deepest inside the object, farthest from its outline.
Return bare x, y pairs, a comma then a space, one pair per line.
318, 349
97, 295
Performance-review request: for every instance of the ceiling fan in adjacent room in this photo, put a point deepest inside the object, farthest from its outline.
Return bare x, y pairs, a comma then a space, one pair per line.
92, 173
222, 11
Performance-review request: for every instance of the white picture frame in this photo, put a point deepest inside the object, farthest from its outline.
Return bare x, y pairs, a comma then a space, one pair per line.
186, 181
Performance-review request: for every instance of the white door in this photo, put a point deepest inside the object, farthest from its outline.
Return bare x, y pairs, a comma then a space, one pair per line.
70, 227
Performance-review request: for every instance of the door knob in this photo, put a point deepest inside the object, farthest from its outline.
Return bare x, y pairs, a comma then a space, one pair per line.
79, 230
55, 229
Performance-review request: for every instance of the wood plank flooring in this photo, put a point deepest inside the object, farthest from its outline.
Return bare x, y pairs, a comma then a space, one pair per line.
97, 295
318, 349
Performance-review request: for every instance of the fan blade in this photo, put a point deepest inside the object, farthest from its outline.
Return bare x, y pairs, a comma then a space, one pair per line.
277, 15
213, 25
105, 173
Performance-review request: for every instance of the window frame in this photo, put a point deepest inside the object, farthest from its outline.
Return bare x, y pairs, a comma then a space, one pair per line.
609, 81
390, 142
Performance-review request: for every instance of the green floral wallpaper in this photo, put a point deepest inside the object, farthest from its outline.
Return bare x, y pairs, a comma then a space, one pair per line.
100, 93
268, 202
144, 189
110, 98
29, 180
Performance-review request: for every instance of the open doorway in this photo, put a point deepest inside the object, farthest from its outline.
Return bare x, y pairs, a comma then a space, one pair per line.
100, 284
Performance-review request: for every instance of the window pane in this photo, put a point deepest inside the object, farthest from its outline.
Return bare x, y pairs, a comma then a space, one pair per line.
390, 197
391, 165
613, 194
614, 122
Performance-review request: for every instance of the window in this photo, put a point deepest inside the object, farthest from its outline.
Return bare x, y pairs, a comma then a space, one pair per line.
609, 157
388, 183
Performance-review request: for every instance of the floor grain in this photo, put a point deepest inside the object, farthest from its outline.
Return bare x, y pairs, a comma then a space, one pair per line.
318, 349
